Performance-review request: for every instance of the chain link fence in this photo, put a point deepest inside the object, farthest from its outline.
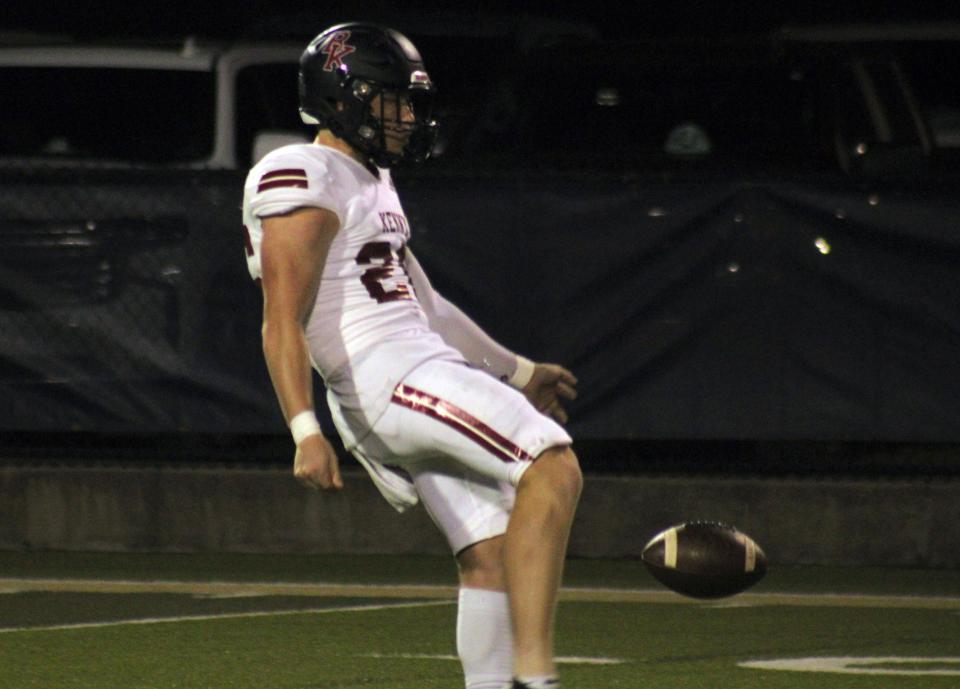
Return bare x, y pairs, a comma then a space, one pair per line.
125, 304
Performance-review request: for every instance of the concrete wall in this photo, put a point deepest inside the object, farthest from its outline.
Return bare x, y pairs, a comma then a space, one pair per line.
173, 508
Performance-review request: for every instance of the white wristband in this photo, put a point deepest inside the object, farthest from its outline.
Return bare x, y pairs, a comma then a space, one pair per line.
523, 373
303, 425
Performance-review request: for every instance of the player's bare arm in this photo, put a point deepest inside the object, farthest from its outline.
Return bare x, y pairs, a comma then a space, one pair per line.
294, 251
545, 385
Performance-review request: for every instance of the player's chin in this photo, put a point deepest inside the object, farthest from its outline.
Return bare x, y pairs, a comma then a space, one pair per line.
396, 144
397, 136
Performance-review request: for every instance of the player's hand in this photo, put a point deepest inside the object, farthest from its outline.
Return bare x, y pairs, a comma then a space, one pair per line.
316, 465
550, 384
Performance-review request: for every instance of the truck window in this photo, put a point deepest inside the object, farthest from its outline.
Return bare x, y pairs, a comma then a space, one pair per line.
106, 114
665, 107
267, 100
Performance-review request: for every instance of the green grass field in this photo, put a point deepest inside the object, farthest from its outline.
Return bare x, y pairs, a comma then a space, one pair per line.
152, 621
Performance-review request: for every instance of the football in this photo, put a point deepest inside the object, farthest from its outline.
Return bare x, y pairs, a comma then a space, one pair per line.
705, 559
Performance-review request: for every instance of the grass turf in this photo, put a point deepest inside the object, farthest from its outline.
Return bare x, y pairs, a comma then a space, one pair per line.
434, 569
664, 645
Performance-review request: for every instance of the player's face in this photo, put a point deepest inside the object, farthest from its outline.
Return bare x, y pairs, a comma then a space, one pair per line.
397, 118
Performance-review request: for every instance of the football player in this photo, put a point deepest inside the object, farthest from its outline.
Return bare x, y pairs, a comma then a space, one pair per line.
412, 383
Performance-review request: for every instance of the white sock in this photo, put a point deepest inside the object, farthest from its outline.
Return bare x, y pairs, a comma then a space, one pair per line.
484, 638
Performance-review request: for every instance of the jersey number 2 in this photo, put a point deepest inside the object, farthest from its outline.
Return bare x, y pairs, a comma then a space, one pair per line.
384, 265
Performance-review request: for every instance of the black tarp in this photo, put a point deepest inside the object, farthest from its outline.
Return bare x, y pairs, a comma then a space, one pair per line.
696, 307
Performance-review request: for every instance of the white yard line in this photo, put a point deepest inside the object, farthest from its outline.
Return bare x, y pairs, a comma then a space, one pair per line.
871, 665
220, 616
593, 595
564, 660
229, 588
841, 600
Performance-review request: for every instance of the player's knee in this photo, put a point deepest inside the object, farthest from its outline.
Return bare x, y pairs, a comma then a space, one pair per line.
559, 468
481, 565
572, 475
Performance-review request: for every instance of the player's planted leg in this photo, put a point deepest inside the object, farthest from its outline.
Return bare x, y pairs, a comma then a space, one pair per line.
534, 552
484, 635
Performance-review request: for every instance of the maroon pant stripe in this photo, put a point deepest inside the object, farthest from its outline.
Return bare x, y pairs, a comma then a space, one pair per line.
460, 421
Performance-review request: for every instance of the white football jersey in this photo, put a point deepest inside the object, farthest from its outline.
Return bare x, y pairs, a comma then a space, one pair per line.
367, 329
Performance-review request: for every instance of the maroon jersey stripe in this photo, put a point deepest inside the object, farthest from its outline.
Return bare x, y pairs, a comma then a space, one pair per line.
286, 172
299, 183
460, 421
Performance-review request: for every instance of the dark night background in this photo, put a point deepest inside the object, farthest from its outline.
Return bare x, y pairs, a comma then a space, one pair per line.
259, 19
615, 19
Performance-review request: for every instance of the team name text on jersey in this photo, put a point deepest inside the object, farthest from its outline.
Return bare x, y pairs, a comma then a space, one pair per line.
394, 223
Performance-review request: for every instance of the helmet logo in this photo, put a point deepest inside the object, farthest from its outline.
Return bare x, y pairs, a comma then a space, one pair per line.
336, 49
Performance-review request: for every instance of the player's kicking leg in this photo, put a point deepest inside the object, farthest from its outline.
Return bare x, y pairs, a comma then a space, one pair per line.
534, 551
